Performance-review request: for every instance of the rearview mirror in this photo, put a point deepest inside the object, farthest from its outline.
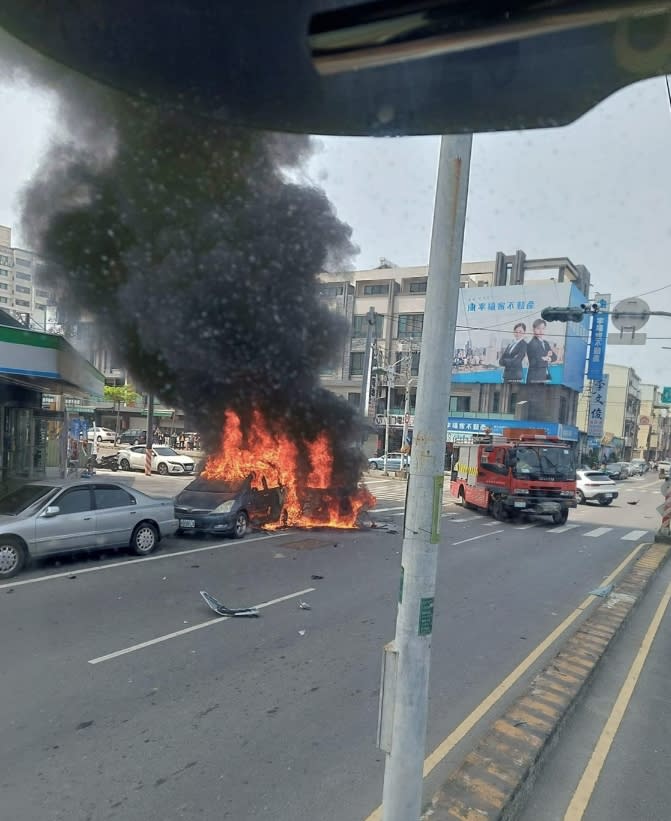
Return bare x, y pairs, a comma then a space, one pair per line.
52, 510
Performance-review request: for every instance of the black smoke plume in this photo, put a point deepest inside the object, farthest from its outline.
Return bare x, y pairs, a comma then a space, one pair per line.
195, 245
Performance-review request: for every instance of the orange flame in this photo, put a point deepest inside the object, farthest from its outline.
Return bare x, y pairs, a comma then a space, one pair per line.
305, 473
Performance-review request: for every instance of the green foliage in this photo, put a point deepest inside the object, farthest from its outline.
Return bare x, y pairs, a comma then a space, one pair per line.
123, 394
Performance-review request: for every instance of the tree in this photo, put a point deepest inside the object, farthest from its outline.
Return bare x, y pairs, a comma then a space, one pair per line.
121, 394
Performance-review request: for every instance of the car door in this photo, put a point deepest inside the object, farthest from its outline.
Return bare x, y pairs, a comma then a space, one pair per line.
72, 528
136, 457
116, 515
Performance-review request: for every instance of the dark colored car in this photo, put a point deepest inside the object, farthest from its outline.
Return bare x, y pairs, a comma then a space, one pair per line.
133, 436
617, 470
227, 507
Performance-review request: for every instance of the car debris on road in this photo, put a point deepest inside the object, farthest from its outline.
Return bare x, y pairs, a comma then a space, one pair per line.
221, 609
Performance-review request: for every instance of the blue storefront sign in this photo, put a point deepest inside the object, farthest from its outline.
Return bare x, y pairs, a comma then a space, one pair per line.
461, 428
597, 347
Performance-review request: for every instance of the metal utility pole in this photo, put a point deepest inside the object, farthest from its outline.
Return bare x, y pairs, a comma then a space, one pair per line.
390, 384
364, 398
402, 730
150, 434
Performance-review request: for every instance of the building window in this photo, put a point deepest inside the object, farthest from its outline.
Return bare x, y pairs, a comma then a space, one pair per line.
360, 325
513, 402
414, 363
21, 289
4, 286
23, 261
4, 260
331, 290
410, 325
496, 401
460, 404
354, 398
417, 287
356, 363
40, 307
563, 410
42, 294
379, 288
4, 300
22, 303
4, 272
25, 277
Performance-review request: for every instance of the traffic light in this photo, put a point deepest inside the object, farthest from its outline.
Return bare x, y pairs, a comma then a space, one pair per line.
563, 314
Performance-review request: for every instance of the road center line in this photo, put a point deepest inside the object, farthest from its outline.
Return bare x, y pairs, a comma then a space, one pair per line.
583, 793
385, 509
462, 730
141, 560
481, 536
199, 626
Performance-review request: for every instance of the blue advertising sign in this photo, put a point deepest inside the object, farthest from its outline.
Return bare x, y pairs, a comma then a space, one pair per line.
501, 337
597, 345
462, 428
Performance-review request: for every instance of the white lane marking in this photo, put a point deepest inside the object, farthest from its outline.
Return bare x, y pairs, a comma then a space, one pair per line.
562, 529
634, 535
384, 509
525, 527
490, 524
600, 531
468, 519
133, 648
481, 536
80, 571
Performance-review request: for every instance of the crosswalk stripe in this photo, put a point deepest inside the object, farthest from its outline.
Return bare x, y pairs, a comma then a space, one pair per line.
600, 531
562, 529
470, 519
634, 535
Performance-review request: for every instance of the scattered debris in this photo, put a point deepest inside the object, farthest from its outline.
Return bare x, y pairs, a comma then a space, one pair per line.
221, 609
84, 724
316, 576
634, 502
302, 632
603, 592
195, 565
303, 605
279, 556
392, 532
72, 577
11, 589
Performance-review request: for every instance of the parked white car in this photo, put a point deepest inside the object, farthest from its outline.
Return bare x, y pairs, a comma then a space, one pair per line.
594, 486
101, 435
165, 461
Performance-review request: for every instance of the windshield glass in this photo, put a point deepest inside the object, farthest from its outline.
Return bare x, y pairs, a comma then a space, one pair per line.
537, 462
23, 497
165, 452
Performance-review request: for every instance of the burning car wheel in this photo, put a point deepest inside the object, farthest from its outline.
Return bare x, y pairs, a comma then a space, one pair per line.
241, 523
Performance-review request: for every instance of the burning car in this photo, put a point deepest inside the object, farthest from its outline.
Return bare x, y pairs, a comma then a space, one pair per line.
220, 506
262, 478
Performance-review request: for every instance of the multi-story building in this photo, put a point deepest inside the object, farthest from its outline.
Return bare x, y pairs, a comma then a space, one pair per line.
496, 297
654, 425
21, 293
623, 403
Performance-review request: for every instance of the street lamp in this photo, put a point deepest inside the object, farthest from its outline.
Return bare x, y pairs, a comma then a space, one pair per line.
390, 373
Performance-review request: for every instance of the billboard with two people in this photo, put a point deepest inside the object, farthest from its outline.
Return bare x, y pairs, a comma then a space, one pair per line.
501, 336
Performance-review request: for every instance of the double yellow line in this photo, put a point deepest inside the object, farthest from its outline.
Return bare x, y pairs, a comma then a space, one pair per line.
448, 744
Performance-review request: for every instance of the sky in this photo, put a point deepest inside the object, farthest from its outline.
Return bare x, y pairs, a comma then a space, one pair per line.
597, 191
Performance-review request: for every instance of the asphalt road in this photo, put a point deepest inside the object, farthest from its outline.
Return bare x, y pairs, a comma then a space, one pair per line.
124, 699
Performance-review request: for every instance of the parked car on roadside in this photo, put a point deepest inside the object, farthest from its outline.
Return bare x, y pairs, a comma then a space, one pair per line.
164, 460
227, 506
639, 467
59, 516
663, 469
395, 461
617, 470
133, 436
594, 486
101, 435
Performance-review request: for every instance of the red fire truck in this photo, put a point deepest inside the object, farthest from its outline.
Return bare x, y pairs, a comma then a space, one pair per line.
524, 471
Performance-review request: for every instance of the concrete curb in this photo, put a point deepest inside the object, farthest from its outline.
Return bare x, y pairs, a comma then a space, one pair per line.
492, 781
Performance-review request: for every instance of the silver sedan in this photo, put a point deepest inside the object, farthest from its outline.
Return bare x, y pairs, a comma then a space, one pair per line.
44, 517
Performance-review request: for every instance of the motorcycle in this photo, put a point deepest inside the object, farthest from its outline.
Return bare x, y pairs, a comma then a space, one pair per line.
110, 462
